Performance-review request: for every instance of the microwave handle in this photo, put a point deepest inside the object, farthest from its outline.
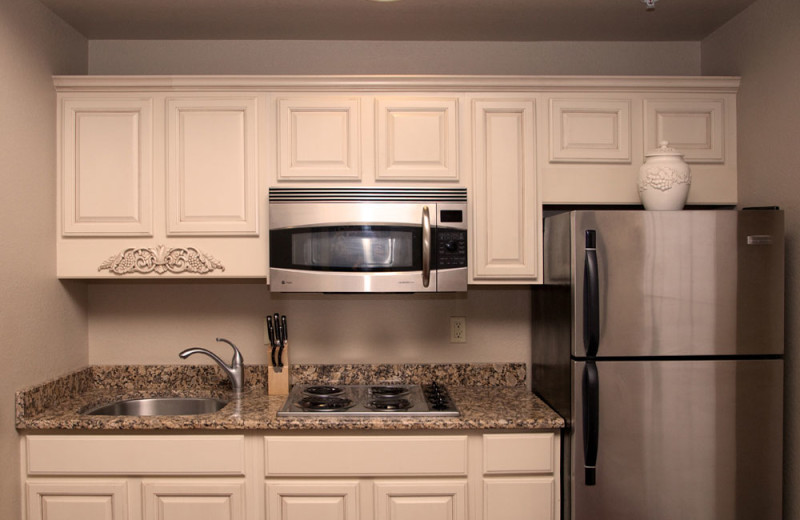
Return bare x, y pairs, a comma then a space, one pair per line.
426, 247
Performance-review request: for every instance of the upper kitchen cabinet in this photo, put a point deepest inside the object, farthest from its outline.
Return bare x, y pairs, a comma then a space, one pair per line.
505, 208
595, 138
319, 138
167, 176
367, 138
158, 184
106, 166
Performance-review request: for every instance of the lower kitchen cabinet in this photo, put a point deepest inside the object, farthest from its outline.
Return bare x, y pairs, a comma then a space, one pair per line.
521, 498
66, 498
412, 499
420, 476
71, 498
309, 499
194, 499
520, 477
421, 500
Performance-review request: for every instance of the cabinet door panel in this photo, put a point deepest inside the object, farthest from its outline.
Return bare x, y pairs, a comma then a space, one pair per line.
62, 499
531, 498
319, 139
420, 500
135, 454
695, 127
590, 130
417, 139
313, 500
366, 456
212, 166
106, 167
185, 499
505, 231
519, 453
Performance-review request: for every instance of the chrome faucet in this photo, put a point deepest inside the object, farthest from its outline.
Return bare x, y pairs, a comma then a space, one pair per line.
235, 371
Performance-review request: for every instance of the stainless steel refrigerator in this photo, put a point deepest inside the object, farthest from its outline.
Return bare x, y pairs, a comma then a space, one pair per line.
658, 336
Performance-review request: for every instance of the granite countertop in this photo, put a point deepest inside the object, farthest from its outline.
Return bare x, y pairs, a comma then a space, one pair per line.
489, 396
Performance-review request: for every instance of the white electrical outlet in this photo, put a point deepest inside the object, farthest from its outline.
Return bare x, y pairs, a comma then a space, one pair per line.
458, 329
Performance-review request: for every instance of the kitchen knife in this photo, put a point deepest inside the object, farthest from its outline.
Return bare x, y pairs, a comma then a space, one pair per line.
278, 342
271, 333
284, 340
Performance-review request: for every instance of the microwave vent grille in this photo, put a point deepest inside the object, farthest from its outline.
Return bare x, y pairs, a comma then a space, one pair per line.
367, 194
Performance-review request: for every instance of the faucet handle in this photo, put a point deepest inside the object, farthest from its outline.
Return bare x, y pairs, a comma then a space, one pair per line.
237, 360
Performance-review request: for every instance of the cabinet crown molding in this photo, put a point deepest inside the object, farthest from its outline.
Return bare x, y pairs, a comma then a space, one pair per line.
397, 83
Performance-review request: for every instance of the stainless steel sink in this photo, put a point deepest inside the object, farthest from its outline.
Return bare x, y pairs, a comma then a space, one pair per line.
160, 406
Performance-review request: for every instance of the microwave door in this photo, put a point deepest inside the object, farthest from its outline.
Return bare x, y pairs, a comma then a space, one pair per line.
351, 248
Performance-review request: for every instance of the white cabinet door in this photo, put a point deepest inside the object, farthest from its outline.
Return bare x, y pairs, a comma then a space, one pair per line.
506, 211
68, 499
319, 138
313, 500
696, 127
401, 455
417, 139
106, 166
420, 499
194, 499
703, 128
590, 130
522, 498
212, 166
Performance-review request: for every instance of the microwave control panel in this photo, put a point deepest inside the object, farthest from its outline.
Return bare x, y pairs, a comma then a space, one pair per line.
451, 248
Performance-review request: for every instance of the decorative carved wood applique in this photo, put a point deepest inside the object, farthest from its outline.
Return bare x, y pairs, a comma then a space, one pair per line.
161, 259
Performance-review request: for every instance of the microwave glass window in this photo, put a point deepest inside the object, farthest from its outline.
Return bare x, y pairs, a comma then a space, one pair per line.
354, 249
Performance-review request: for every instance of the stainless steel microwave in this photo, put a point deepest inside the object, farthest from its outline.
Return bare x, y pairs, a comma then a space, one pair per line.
364, 240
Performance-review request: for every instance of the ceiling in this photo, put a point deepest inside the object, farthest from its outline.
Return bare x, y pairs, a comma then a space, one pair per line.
424, 20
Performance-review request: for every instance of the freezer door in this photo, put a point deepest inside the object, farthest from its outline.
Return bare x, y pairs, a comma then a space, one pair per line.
675, 283
678, 440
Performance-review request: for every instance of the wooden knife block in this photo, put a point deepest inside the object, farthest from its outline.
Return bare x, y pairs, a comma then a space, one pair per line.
278, 382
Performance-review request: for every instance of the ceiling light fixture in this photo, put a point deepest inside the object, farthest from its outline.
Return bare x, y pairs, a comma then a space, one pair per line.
650, 4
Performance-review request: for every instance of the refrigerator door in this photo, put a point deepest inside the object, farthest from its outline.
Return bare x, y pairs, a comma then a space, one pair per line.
679, 440
674, 283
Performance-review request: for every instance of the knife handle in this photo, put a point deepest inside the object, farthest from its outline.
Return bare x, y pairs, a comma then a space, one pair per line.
278, 334
284, 340
270, 331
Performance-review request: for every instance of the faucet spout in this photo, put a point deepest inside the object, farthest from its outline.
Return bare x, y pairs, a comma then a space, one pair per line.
235, 370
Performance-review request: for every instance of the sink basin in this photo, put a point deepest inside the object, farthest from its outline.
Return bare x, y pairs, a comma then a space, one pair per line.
160, 406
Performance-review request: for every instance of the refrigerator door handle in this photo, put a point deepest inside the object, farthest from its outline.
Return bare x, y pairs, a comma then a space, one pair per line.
591, 296
591, 420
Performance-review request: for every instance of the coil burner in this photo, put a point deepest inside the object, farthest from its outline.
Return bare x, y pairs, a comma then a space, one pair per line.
389, 405
324, 404
322, 390
368, 400
388, 391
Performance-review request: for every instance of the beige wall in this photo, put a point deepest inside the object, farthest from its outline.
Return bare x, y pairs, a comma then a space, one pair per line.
43, 325
762, 45
151, 323
353, 57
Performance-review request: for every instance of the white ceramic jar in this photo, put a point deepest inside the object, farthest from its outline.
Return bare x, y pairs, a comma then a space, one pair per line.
664, 179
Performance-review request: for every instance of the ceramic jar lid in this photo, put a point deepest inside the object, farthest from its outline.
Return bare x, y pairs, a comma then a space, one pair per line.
664, 149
